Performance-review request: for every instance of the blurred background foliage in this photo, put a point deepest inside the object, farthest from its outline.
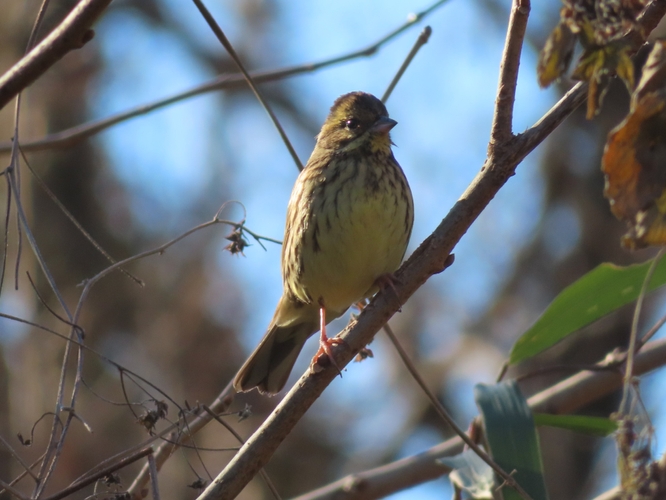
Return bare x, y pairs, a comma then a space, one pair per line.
147, 180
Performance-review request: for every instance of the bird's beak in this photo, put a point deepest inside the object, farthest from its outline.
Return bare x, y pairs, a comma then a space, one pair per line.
383, 125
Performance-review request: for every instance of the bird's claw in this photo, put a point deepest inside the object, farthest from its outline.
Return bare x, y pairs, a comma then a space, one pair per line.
324, 355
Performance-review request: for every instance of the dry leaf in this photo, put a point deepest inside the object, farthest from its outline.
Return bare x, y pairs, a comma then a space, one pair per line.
634, 163
555, 57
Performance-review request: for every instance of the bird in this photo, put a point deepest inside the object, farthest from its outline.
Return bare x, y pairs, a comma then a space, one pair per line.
349, 220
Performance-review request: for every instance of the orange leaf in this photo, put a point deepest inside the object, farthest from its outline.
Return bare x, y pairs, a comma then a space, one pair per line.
634, 163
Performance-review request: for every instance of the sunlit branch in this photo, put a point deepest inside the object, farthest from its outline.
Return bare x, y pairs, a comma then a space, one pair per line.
72, 33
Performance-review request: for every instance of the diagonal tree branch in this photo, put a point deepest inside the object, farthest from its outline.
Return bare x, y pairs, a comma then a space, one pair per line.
72, 33
102, 473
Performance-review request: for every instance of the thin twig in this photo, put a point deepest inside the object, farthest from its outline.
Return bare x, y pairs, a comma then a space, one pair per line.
180, 444
158, 250
54, 446
423, 38
76, 223
71, 136
651, 332
36, 25
23, 474
633, 337
13, 176
444, 415
232, 431
230, 49
8, 211
100, 474
549, 370
35, 248
12, 490
14, 164
50, 309
154, 485
165, 450
128, 452
18, 458
258, 238
56, 450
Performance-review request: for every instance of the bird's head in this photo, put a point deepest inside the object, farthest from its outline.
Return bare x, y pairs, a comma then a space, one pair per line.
356, 119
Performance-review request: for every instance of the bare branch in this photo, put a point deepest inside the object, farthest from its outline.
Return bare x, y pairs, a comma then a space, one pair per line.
423, 38
55, 446
100, 474
633, 338
72, 33
221, 403
154, 485
23, 474
238, 437
12, 490
502, 127
73, 220
651, 332
230, 49
35, 247
18, 458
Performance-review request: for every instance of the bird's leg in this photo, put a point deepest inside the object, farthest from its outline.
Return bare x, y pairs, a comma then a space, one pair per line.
389, 280
325, 343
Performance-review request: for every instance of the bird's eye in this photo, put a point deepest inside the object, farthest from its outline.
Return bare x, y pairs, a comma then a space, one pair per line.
352, 124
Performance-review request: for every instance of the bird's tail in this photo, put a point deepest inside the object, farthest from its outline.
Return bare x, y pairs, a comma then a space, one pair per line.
270, 364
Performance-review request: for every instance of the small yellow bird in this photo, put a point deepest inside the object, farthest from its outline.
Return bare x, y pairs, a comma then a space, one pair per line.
349, 220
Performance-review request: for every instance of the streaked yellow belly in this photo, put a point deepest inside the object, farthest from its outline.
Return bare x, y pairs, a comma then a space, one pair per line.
364, 239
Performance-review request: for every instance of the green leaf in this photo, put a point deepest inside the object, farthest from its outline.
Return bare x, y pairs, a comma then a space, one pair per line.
598, 293
596, 426
512, 438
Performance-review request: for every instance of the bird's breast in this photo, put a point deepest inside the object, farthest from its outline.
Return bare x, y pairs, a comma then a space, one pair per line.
358, 230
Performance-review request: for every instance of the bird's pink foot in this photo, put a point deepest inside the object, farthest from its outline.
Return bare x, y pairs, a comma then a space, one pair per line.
325, 353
